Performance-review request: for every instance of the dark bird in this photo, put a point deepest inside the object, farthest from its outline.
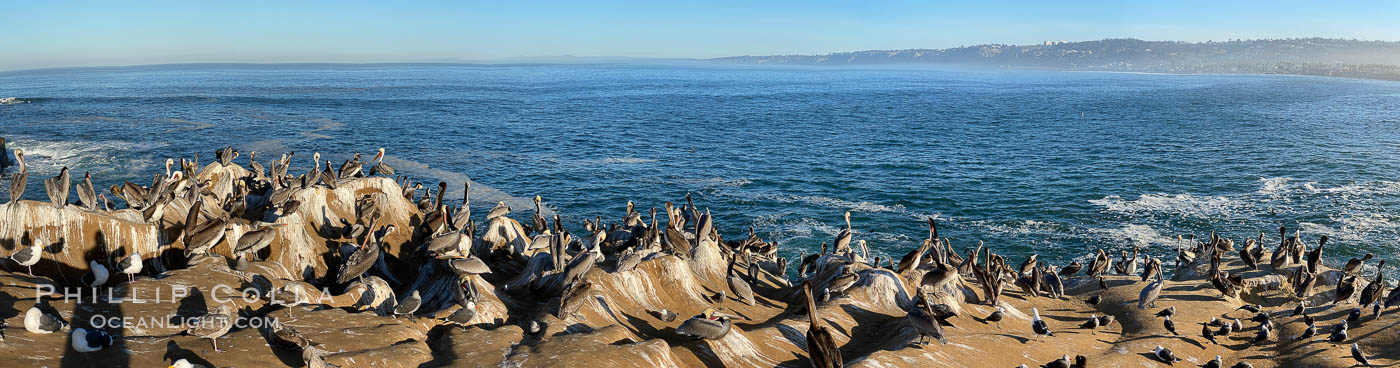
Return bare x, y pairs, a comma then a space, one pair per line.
1252, 308
821, 347
924, 322
1038, 325
1354, 315
30, 255
409, 304
1298, 310
1372, 292
87, 340
1354, 264
1358, 355
1094, 300
1063, 362
1339, 333
1307, 333
1071, 269
130, 265
1242, 365
1346, 286
39, 322
1208, 333
1171, 327
360, 261
1167, 312
1214, 363
1091, 324
1165, 355
996, 316
1315, 255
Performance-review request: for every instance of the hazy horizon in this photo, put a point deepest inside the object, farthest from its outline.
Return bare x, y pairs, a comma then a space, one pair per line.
103, 34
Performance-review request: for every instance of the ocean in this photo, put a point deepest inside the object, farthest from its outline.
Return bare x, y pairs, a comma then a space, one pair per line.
1046, 162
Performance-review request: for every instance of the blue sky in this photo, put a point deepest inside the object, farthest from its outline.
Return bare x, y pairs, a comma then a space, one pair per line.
55, 34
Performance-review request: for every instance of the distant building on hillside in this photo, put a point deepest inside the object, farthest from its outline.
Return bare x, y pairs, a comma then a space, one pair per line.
1053, 43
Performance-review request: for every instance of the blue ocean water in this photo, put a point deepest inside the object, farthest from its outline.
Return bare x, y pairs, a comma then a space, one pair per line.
1055, 163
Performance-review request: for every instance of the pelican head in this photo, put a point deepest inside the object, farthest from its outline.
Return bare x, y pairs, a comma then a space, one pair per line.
379, 155
19, 157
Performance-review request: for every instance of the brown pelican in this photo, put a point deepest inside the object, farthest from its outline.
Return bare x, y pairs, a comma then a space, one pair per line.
1305, 285
1099, 266
1372, 292
501, 209
328, 176
351, 168
360, 261
1071, 269
213, 325
1315, 256
380, 167
1026, 266
925, 323
254, 241
1280, 256
1393, 298
737, 285
1247, 254
1165, 355
86, 193
39, 322
20, 179
87, 340
130, 265
57, 188
573, 298
1346, 286
27, 257
463, 215
911, 260
1354, 264
540, 226
843, 238
821, 347
205, 236
450, 244
708, 325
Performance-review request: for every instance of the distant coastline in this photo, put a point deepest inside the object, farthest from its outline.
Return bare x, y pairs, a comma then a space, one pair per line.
1378, 60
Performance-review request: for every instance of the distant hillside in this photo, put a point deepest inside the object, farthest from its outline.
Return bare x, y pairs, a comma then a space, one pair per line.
1307, 56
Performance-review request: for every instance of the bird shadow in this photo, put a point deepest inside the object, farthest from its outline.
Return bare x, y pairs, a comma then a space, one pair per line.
174, 352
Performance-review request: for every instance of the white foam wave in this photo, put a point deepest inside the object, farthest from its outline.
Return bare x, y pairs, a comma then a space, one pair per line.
98, 157
1184, 204
11, 101
1139, 236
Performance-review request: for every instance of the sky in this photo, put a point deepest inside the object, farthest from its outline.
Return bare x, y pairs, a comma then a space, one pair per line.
42, 34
